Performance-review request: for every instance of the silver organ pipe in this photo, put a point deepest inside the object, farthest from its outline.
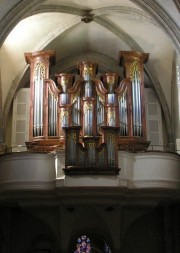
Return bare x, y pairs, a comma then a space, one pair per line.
55, 116
64, 99
111, 98
88, 88
139, 106
37, 107
35, 111
52, 114
38, 101
88, 119
137, 122
136, 105
100, 113
49, 113
123, 114
41, 105
133, 108
76, 112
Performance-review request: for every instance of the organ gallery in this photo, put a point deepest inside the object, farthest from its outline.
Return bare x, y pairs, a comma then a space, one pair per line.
90, 117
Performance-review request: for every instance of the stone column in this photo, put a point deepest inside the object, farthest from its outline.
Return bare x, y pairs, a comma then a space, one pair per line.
2, 137
175, 105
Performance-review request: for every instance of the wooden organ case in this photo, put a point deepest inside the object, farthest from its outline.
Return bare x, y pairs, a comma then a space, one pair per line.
90, 118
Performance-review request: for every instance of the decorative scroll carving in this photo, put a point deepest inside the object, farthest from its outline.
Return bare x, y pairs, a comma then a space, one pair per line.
135, 71
39, 70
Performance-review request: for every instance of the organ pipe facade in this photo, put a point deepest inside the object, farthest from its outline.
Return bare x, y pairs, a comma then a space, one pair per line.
91, 118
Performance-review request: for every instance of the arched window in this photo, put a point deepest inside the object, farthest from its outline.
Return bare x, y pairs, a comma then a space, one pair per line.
84, 245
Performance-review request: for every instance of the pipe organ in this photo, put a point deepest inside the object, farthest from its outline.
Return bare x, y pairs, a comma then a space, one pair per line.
91, 118
132, 105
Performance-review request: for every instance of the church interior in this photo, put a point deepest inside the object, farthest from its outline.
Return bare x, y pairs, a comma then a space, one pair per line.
90, 126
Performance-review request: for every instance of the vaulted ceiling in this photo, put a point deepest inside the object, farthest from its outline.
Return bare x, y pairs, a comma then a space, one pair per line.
89, 30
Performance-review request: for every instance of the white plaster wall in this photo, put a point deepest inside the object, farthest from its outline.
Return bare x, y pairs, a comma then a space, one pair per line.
156, 170
149, 170
45, 171
27, 171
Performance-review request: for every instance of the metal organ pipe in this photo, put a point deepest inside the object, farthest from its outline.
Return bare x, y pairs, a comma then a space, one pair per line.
100, 113
49, 113
123, 114
139, 106
38, 103
134, 108
137, 122
76, 112
55, 115
52, 114
120, 115
35, 111
88, 88
41, 106
37, 108
88, 113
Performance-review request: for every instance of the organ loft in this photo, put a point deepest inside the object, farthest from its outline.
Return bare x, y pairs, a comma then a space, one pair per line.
90, 118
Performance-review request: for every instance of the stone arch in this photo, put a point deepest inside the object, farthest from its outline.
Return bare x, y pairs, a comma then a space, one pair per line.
88, 221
